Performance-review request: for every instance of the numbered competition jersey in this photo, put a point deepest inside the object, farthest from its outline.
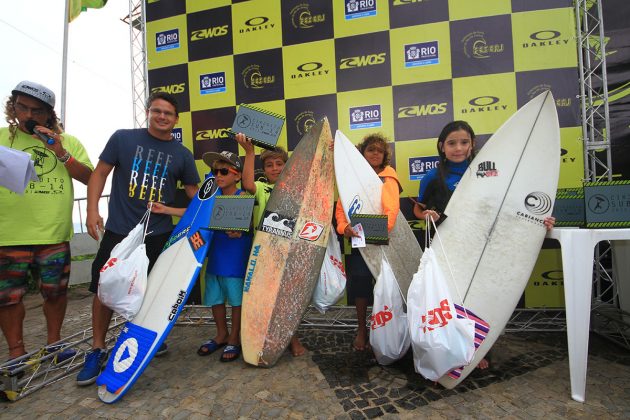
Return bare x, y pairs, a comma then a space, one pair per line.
43, 214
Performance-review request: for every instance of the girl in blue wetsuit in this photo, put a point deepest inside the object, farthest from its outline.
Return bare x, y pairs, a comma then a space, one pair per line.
456, 149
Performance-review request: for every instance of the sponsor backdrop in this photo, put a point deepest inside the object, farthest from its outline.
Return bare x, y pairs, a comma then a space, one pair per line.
401, 67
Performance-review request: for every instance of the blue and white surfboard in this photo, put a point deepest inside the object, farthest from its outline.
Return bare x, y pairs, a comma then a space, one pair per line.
169, 284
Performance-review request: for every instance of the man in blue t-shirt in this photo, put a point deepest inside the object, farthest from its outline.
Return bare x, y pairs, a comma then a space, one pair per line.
147, 164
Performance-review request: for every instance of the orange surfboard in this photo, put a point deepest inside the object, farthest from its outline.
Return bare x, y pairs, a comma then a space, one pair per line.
288, 249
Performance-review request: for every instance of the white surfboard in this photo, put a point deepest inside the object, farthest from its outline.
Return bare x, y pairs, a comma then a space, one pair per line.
360, 192
168, 286
494, 229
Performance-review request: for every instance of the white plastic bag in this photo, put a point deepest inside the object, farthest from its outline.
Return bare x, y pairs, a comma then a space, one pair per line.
123, 280
332, 277
440, 340
389, 335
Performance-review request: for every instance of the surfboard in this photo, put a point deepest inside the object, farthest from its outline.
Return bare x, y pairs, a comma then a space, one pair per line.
288, 249
168, 286
494, 229
360, 192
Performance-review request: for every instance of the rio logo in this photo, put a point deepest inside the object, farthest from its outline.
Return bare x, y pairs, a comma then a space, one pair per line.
436, 318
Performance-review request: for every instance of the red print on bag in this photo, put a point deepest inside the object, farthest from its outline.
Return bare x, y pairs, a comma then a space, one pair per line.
109, 263
311, 231
437, 317
338, 264
381, 318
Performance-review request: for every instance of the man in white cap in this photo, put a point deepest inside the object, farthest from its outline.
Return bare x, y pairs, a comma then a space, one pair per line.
36, 226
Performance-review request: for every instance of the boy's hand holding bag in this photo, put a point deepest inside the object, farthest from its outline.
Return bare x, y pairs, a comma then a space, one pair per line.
123, 280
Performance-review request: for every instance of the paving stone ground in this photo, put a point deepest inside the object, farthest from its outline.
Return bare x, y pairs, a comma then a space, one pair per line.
528, 378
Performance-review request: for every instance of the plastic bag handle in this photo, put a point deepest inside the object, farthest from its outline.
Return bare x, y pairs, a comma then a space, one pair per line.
145, 221
448, 263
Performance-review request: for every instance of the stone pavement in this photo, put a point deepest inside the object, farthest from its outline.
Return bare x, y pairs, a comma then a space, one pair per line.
529, 378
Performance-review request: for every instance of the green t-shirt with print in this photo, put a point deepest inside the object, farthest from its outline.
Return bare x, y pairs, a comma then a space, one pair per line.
263, 191
42, 215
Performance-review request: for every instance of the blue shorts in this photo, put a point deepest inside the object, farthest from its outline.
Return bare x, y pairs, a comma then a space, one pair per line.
219, 288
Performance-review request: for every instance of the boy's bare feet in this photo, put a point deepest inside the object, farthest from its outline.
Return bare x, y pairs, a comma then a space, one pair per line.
297, 349
360, 342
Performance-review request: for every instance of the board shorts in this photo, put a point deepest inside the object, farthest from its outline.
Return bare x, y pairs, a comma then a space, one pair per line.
49, 264
220, 288
154, 243
360, 282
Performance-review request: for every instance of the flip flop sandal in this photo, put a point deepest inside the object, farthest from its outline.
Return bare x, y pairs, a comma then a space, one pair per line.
235, 350
209, 347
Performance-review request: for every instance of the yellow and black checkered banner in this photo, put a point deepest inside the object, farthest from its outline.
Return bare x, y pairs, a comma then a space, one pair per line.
400, 67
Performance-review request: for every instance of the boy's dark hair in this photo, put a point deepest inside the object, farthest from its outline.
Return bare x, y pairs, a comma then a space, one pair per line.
164, 96
278, 152
376, 138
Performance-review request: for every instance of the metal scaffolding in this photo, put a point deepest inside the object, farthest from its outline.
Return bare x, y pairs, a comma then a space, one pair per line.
608, 319
139, 74
593, 90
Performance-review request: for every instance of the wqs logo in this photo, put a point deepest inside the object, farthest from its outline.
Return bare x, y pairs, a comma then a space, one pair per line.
422, 110
476, 46
177, 135
167, 40
212, 83
367, 116
206, 33
420, 166
302, 18
172, 89
362, 61
422, 54
359, 8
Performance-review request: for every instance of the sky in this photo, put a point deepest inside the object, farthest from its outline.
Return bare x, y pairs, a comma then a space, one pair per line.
99, 98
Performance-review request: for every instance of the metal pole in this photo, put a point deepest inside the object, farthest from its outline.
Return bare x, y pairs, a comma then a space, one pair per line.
64, 66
